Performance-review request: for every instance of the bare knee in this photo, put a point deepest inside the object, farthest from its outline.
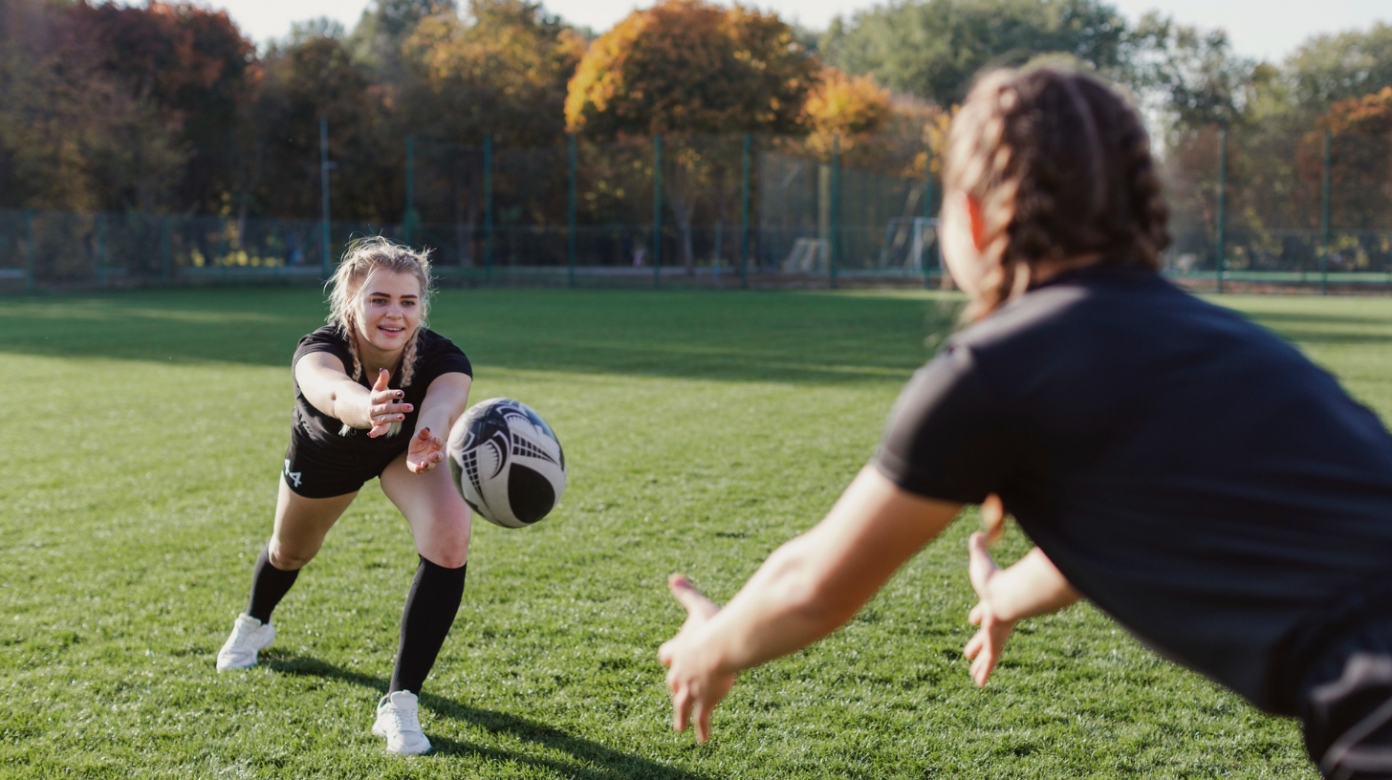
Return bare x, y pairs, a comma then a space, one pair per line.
287, 558
446, 546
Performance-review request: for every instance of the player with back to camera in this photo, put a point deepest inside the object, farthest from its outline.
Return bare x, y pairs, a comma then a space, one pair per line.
1187, 471
375, 393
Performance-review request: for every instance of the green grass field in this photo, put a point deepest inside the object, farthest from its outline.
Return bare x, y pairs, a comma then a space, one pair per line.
140, 448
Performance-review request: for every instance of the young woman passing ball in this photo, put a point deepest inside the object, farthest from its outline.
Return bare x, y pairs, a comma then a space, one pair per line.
1189, 473
375, 395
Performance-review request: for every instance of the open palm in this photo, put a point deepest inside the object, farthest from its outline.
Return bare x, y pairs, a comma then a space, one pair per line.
425, 453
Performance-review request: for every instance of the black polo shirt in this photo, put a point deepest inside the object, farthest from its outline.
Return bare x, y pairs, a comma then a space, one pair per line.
1189, 472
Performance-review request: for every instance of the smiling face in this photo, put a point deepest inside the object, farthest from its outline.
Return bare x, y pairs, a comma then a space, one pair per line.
389, 307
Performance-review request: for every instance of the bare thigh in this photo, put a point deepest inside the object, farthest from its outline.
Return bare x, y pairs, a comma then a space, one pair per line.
301, 524
439, 518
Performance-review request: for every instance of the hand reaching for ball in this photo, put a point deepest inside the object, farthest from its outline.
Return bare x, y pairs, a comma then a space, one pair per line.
384, 406
425, 453
984, 648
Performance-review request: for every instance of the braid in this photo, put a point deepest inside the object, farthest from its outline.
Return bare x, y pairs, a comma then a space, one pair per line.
351, 332
1145, 193
1061, 168
408, 359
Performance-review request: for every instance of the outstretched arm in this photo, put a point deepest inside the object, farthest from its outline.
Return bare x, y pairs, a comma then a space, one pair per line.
445, 400
1031, 586
802, 592
327, 386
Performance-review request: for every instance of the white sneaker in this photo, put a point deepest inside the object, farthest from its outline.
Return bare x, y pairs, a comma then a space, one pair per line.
398, 722
249, 637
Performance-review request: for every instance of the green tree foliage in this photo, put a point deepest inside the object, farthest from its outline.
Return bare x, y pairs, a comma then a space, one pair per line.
376, 40
1195, 73
933, 48
1329, 68
501, 70
72, 135
187, 65
313, 78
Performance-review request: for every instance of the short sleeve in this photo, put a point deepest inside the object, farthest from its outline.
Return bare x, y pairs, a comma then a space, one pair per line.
440, 357
947, 436
326, 339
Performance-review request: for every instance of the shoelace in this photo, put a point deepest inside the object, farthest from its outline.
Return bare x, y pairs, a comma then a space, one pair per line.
403, 721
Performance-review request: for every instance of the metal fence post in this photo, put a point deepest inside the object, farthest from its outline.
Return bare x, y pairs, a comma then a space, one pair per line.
224, 246
834, 253
30, 283
324, 194
927, 209
1324, 217
570, 212
744, 212
408, 218
657, 209
488, 207
1222, 204
166, 273
101, 248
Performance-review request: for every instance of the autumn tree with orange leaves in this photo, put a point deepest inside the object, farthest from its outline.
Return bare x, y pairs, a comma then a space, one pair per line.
1360, 171
691, 67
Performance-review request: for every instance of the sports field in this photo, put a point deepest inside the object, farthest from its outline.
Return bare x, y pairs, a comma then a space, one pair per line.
141, 442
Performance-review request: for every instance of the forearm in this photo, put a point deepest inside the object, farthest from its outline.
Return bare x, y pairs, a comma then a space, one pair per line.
348, 402
776, 612
1032, 586
445, 400
818, 581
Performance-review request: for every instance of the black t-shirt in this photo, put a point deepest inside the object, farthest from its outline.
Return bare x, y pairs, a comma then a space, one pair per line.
435, 355
1187, 471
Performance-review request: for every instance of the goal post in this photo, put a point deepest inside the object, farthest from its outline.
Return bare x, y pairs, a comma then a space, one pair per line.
911, 246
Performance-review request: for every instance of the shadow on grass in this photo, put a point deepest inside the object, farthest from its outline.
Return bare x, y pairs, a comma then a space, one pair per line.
750, 336
593, 761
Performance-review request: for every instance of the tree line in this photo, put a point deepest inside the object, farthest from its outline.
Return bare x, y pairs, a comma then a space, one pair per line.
168, 107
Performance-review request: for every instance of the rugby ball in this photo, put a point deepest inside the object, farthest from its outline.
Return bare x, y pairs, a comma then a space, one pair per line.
506, 462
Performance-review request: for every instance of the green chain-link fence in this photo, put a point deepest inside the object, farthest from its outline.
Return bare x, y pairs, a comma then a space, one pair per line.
1250, 211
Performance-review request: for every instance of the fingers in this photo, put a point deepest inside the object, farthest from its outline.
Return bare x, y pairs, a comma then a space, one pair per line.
390, 410
980, 565
696, 604
427, 452
703, 720
993, 517
974, 645
977, 614
982, 667
383, 377
977, 545
681, 709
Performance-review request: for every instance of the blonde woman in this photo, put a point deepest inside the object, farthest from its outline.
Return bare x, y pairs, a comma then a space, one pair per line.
375, 395
1188, 472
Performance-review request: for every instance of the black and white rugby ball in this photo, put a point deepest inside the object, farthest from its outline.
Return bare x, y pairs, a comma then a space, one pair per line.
506, 462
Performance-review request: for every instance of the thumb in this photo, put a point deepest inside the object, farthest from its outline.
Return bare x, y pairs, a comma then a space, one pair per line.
686, 594
978, 546
383, 377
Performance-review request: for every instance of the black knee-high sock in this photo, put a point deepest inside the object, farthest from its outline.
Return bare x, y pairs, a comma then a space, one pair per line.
268, 586
430, 609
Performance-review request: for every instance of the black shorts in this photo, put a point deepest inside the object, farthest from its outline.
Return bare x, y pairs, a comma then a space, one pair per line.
313, 470
1346, 704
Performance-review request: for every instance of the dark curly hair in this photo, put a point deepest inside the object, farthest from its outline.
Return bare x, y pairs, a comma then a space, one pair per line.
1061, 165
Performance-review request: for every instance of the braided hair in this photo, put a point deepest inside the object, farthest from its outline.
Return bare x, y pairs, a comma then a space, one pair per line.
1060, 164
363, 258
